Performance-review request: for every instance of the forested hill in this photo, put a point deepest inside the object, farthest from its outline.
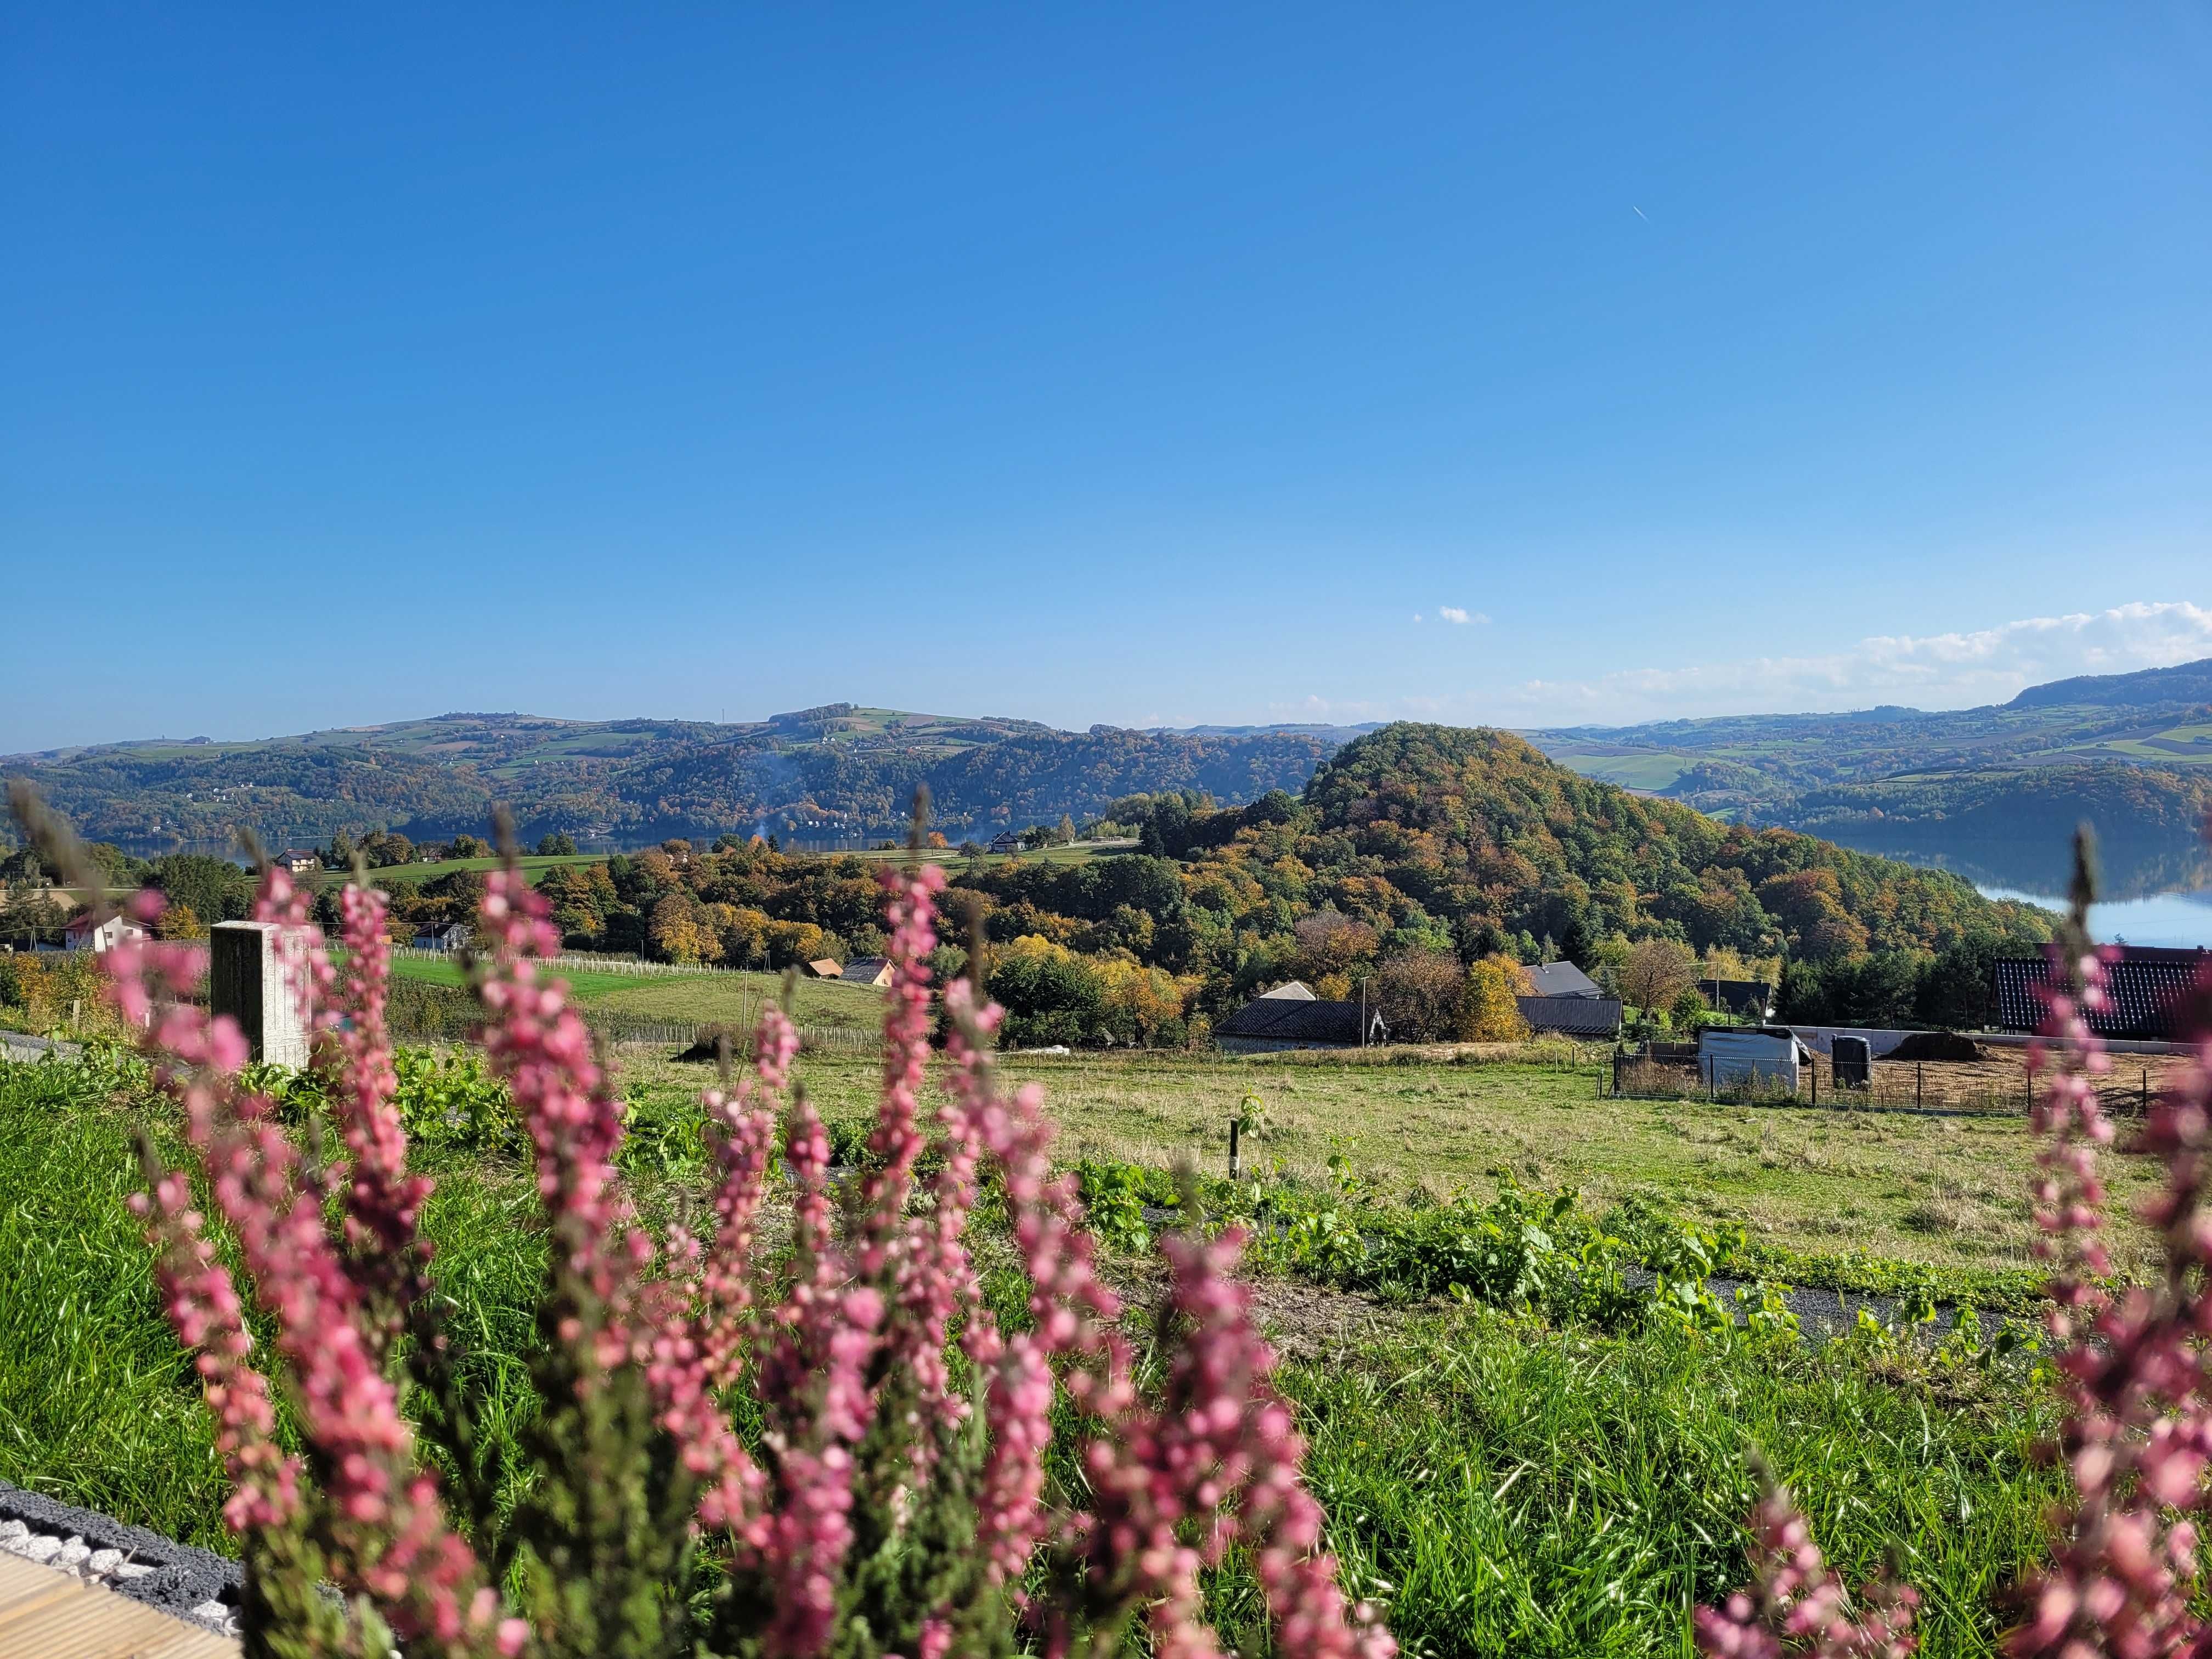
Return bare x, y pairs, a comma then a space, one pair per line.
839, 768
1471, 839
1417, 850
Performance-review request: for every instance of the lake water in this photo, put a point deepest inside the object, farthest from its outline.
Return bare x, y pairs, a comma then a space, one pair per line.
2180, 919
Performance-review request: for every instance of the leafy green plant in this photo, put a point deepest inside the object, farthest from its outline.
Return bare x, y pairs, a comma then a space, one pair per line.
450, 1100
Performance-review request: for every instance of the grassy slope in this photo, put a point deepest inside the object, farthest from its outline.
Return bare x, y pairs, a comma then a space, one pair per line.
1509, 1490
1946, 1191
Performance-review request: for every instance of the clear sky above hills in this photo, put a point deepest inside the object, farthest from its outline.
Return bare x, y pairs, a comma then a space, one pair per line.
1147, 365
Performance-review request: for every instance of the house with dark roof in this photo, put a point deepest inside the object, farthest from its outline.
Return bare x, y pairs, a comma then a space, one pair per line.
2145, 989
1560, 979
867, 971
1007, 841
298, 859
1293, 1017
1590, 1016
444, 936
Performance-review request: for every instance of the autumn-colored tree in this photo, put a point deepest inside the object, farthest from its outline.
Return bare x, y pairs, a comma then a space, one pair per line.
1419, 993
1331, 943
1487, 1011
679, 930
1657, 971
181, 921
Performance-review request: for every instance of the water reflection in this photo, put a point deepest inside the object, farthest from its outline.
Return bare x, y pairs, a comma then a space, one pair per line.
2154, 894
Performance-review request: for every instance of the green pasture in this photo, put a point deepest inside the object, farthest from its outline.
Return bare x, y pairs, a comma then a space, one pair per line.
696, 998
1950, 1192
1631, 769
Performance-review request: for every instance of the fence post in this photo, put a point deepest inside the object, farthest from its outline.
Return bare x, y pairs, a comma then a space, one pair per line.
1917, 1075
1235, 1124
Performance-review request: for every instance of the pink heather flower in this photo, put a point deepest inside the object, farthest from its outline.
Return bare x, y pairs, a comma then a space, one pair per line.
910, 908
385, 1254
1074, 1312
1796, 1604
388, 1533
1220, 1447
202, 1305
538, 1044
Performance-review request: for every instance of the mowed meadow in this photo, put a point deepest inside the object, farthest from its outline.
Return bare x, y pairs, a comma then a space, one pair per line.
1506, 1480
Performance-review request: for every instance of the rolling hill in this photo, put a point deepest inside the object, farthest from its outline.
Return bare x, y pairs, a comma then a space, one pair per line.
836, 770
2120, 749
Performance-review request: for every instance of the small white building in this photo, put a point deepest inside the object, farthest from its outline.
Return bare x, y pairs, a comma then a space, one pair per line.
98, 934
1766, 1057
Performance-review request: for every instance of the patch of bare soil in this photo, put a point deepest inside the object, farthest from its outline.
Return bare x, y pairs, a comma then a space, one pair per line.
1301, 1320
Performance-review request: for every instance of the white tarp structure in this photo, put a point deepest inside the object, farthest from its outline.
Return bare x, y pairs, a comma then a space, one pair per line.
1753, 1058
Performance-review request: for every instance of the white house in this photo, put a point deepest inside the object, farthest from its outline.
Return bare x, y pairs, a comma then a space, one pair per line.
96, 934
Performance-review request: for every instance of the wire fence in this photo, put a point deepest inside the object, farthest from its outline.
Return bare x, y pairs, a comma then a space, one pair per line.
1995, 1088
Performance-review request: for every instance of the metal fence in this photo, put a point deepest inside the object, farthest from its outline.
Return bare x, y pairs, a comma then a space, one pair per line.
1982, 1088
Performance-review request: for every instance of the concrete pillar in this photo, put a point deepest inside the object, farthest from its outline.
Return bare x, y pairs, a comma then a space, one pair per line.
256, 976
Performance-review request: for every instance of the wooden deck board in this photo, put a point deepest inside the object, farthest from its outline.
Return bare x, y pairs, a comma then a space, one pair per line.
46, 1615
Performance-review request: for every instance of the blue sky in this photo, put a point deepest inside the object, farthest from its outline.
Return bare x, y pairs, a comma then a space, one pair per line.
1137, 364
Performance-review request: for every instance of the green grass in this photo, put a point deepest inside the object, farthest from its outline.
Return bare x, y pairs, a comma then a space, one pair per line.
1631, 768
1951, 1193
1508, 1488
701, 999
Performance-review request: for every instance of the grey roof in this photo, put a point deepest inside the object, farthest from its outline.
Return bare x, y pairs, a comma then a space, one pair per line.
1288, 1019
1562, 979
1572, 1016
866, 970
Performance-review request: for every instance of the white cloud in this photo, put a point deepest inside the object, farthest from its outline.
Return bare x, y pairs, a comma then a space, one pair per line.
1937, 670
1452, 613
1417, 615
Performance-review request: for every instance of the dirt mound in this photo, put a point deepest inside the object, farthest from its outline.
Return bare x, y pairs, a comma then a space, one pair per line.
1937, 1045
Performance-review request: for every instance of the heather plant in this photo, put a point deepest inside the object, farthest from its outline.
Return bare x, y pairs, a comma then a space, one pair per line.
2132, 1370
839, 1452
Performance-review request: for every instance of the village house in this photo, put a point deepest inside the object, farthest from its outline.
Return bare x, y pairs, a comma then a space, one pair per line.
97, 934
822, 968
1291, 1017
298, 859
445, 937
867, 971
1567, 1002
